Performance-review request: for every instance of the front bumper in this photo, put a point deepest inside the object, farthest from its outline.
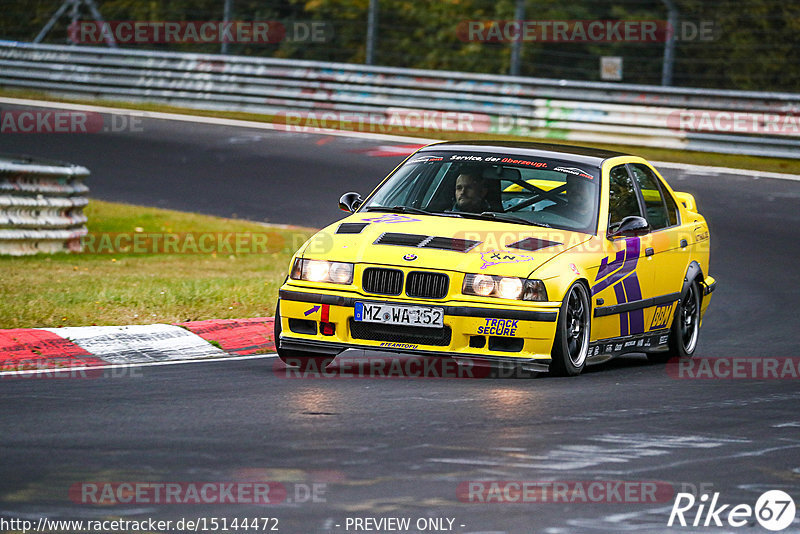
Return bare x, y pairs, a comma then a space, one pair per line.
490, 335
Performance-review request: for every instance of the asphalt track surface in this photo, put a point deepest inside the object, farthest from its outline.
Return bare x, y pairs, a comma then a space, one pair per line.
401, 447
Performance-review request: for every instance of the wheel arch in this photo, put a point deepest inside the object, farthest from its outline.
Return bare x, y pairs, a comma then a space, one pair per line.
693, 272
580, 280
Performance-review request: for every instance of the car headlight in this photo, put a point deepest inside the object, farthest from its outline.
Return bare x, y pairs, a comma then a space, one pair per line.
335, 272
504, 287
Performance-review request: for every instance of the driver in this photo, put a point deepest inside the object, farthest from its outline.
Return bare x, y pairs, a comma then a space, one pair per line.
471, 190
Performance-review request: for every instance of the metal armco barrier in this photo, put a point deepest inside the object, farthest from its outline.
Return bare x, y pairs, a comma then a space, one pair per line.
739, 122
41, 206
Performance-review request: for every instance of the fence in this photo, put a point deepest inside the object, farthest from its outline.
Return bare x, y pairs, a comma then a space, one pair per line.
738, 122
41, 206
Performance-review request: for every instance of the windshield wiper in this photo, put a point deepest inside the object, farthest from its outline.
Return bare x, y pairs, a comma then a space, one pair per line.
492, 216
512, 218
399, 209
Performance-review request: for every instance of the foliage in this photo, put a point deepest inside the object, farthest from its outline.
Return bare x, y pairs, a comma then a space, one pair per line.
755, 44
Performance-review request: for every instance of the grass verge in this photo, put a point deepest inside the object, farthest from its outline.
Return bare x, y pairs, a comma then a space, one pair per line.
736, 161
117, 282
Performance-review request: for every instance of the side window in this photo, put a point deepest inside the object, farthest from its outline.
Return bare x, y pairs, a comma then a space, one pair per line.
622, 201
655, 209
672, 208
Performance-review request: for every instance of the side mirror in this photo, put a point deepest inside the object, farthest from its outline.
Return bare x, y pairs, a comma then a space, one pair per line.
631, 226
350, 202
687, 200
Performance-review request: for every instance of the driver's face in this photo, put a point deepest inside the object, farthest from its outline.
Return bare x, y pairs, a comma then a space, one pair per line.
470, 193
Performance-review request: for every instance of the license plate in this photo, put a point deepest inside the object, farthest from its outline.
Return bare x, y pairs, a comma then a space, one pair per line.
371, 312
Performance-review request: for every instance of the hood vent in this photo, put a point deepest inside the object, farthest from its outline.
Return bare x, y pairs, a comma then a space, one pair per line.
426, 241
450, 243
402, 240
351, 228
532, 243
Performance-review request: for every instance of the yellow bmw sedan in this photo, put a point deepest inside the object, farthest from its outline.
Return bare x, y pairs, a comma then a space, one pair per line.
514, 255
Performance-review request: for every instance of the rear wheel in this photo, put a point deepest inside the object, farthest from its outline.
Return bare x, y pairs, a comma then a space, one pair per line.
685, 327
572, 332
295, 358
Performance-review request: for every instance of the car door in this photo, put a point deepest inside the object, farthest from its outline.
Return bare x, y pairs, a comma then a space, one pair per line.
667, 250
624, 278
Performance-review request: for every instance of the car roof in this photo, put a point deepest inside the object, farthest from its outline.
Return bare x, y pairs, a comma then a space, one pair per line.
577, 154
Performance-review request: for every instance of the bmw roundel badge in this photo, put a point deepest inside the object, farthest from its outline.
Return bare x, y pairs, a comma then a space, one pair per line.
410, 257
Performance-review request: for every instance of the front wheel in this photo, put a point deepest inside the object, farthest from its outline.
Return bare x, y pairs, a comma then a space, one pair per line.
296, 358
572, 332
685, 327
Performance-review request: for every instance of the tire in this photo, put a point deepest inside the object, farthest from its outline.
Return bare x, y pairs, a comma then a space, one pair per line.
295, 358
685, 328
573, 329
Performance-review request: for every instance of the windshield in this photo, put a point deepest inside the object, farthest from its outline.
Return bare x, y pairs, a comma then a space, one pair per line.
514, 188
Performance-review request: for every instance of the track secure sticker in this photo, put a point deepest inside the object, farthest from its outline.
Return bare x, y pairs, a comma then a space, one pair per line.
500, 327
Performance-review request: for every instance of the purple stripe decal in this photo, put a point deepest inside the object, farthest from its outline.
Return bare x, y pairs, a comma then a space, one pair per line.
631, 260
634, 292
623, 317
607, 268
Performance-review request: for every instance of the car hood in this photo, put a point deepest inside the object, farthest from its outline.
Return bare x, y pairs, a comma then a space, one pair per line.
443, 243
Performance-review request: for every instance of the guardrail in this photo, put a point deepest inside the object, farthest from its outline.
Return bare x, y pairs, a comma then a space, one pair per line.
740, 122
41, 206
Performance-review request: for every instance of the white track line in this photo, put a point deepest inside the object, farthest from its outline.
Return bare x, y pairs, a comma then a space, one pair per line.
343, 133
126, 365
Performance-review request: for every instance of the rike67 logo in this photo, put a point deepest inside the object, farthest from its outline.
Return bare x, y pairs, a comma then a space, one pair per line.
774, 510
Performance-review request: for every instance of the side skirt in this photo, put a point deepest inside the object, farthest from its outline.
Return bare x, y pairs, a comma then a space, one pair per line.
603, 350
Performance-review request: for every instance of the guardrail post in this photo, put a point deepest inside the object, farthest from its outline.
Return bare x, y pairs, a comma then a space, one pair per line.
516, 44
669, 44
226, 17
372, 31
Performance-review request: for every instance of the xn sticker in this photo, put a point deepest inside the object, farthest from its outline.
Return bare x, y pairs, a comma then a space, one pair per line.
496, 257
